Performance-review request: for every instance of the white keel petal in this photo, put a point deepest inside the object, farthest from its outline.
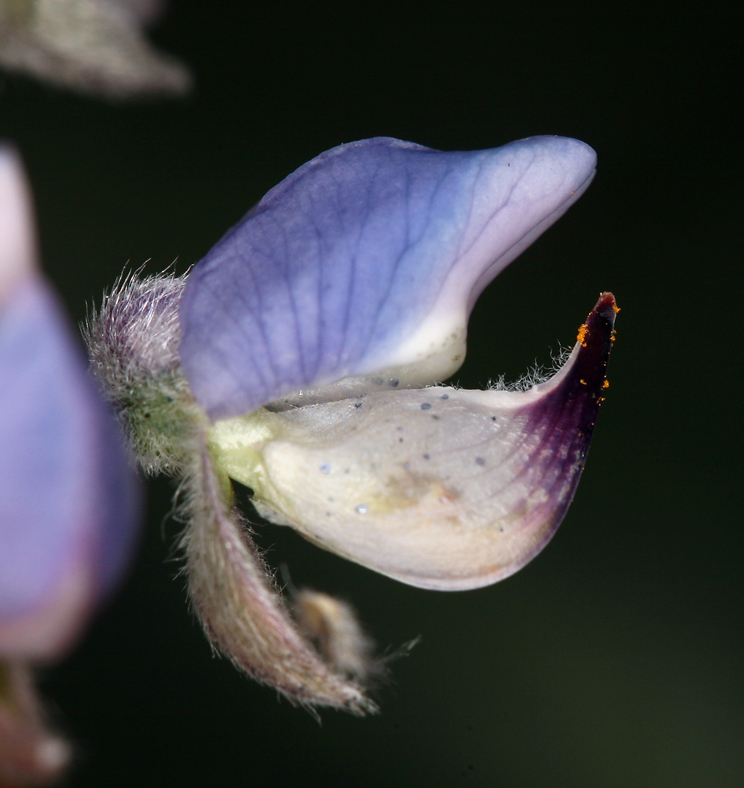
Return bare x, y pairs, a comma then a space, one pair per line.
440, 488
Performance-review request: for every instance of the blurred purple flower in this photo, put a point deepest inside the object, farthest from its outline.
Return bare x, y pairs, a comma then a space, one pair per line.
68, 498
302, 357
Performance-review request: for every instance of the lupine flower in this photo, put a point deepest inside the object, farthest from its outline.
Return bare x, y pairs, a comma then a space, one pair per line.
92, 46
68, 499
303, 357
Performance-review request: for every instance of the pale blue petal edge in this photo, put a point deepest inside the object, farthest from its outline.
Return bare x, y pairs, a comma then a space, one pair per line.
343, 261
67, 493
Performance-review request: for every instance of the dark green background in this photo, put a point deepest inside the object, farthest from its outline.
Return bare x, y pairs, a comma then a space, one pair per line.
615, 659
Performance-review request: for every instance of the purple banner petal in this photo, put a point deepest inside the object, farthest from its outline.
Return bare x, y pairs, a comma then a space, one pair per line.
367, 258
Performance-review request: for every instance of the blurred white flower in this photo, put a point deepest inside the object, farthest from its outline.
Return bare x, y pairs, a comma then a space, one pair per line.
93, 46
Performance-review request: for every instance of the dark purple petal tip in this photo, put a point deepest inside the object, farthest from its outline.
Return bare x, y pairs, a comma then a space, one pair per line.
565, 418
577, 398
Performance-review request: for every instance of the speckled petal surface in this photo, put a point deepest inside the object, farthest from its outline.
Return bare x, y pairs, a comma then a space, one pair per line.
367, 258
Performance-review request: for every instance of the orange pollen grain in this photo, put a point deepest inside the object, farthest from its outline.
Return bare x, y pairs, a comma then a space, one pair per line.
606, 384
582, 335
